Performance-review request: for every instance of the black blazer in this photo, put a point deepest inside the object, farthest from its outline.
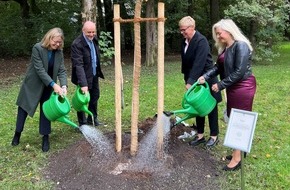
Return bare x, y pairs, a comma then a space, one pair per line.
197, 60
82, 72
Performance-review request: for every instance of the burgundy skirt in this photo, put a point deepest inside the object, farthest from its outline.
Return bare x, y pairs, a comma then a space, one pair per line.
241, 95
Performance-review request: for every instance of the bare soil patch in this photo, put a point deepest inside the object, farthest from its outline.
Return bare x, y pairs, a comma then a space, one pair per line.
80, 166
185, 167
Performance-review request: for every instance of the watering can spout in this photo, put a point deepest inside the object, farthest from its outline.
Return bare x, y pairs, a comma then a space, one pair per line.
86, 110
64, 119
197, 101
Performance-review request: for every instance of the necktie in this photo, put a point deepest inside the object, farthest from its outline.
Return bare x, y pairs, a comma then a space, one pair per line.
93, 55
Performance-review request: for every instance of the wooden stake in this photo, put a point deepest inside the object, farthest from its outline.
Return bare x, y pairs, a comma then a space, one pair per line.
160, 61
136, 81
136, 76
118, 78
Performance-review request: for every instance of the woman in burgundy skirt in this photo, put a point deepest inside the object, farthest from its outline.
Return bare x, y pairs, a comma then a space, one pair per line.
234, 66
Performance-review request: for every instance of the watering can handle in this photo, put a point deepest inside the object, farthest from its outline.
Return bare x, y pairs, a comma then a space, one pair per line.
194, 85
55, 94
79, 89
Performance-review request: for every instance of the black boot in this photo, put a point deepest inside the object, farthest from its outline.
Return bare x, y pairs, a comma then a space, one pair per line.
96, 121
16, 138
45, 143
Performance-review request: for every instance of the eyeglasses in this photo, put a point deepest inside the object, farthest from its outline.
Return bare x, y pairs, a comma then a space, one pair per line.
184, 29
56, 42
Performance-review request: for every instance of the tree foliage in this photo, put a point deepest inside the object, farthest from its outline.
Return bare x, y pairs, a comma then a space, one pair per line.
18, 34
265, 22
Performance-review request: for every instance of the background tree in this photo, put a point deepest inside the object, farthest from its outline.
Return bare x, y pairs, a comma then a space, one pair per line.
265, 22
89, 10
151, 35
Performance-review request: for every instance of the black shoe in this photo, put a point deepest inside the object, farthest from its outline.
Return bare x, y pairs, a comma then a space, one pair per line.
45, 143
236, 167
96, 122
229, 157
16, 138
194, 127
211, 142
197, 141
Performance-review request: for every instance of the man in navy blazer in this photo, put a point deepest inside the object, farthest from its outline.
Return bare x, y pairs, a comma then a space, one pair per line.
86, 69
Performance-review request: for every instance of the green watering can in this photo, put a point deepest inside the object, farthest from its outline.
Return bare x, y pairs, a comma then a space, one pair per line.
80, 101
197, 101
56, 108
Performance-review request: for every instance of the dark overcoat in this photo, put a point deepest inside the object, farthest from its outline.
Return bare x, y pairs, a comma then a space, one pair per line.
36, 78
82, 73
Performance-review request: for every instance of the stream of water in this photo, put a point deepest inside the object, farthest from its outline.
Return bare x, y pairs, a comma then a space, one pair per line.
146, 158
97, 140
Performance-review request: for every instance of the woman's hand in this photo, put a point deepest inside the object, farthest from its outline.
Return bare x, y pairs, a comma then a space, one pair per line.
215, 87
57, 89
201, 80
187, 86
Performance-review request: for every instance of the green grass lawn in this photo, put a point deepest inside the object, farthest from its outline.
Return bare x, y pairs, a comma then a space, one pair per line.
266, 167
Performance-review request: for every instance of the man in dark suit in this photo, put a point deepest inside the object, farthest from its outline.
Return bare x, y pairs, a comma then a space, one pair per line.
196, 60
86, 69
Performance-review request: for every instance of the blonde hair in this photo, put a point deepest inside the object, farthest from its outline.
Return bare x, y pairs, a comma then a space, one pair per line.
229, 26
187, 21
54, 32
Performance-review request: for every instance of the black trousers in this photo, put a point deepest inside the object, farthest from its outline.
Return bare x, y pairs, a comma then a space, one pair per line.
212, 120
44, 123
93, 104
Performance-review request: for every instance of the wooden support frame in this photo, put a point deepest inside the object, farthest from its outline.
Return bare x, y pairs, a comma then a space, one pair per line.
137, 65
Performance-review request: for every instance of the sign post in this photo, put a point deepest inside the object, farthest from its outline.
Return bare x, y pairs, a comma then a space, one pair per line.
240, 134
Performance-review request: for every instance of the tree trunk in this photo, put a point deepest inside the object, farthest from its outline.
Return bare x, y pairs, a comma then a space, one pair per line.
89, 10
190, 9
34, 7
100, 17
214, 17
136, 81
24, 6
108, 16
287, 30
126, 30
253, 31
151, 35
214, 11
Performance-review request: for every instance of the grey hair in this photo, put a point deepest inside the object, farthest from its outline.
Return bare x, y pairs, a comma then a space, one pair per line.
229, 26
187, 21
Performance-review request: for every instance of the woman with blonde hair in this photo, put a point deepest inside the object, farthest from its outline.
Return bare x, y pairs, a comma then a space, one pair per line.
234, 66
46, 65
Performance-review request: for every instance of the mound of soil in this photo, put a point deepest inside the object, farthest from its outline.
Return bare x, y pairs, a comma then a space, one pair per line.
81, 166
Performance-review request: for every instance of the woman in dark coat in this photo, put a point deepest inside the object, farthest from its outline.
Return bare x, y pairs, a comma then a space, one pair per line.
197, 60
46, 65
234, 66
